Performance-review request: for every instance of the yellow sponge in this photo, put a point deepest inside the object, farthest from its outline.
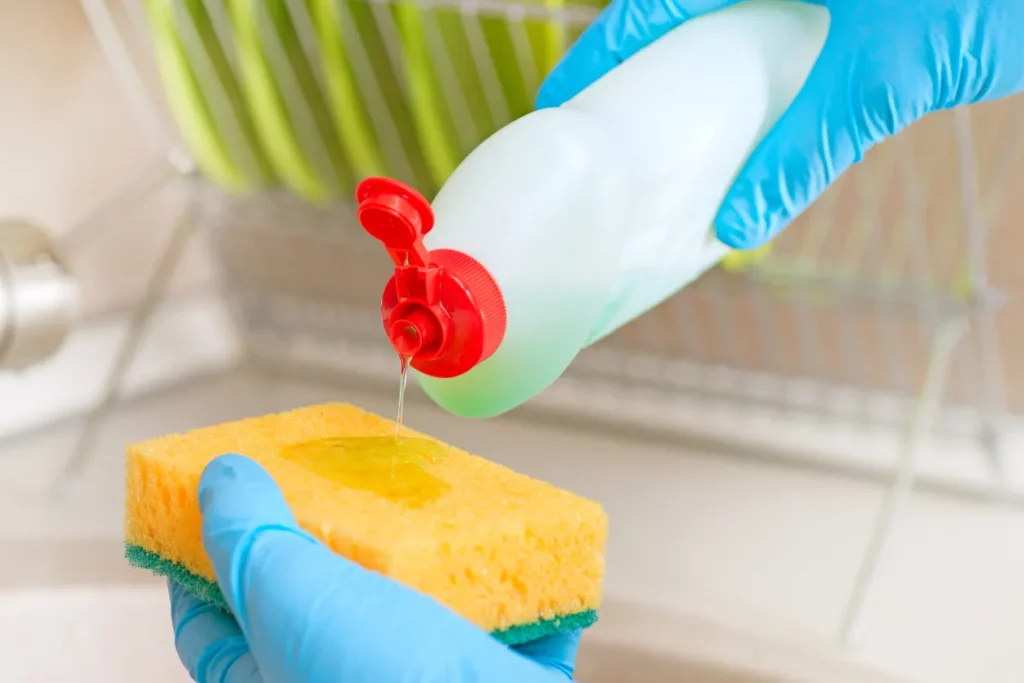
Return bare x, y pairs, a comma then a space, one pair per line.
516, 556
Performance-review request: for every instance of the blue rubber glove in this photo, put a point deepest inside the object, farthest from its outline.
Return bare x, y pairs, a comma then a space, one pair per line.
885, 64
303, 614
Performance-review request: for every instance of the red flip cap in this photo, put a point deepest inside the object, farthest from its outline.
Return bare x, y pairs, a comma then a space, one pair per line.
441, 309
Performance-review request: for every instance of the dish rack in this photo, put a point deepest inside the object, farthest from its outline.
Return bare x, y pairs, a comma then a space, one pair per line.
867, 337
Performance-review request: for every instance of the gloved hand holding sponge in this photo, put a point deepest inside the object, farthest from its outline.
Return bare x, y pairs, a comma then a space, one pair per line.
299, 612
296, 612
336, 552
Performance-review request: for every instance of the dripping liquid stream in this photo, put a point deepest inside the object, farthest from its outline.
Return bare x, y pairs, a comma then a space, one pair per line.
401, 395
403, 379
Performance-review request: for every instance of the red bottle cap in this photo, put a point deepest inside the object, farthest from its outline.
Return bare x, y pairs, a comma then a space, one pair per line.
441, 309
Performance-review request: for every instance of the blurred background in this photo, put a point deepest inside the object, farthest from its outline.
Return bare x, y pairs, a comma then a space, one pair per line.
810, 456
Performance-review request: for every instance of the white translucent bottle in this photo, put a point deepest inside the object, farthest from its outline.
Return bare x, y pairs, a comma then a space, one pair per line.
585, 216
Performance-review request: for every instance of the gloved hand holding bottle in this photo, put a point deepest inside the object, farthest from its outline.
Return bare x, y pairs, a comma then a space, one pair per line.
302, 614
667, 118
884, 65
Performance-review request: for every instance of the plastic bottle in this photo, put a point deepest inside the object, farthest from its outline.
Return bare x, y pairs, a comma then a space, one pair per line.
570, 222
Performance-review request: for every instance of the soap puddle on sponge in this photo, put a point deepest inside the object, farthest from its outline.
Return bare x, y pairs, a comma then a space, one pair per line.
391, 468
394, 469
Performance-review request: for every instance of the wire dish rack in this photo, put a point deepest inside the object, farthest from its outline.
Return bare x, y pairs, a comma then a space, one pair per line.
868, 333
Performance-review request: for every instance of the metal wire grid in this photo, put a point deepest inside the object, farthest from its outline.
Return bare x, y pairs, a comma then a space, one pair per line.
856, 316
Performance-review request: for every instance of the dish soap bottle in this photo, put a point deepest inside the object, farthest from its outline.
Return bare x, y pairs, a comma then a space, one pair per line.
572, 221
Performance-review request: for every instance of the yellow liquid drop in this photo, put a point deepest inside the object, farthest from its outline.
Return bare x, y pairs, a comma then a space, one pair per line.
392, 469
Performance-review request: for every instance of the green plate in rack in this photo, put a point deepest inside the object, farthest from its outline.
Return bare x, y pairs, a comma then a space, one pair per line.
349, 31
347, 106
523, 54
203, 95
287, 102
446, 93
438, 39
